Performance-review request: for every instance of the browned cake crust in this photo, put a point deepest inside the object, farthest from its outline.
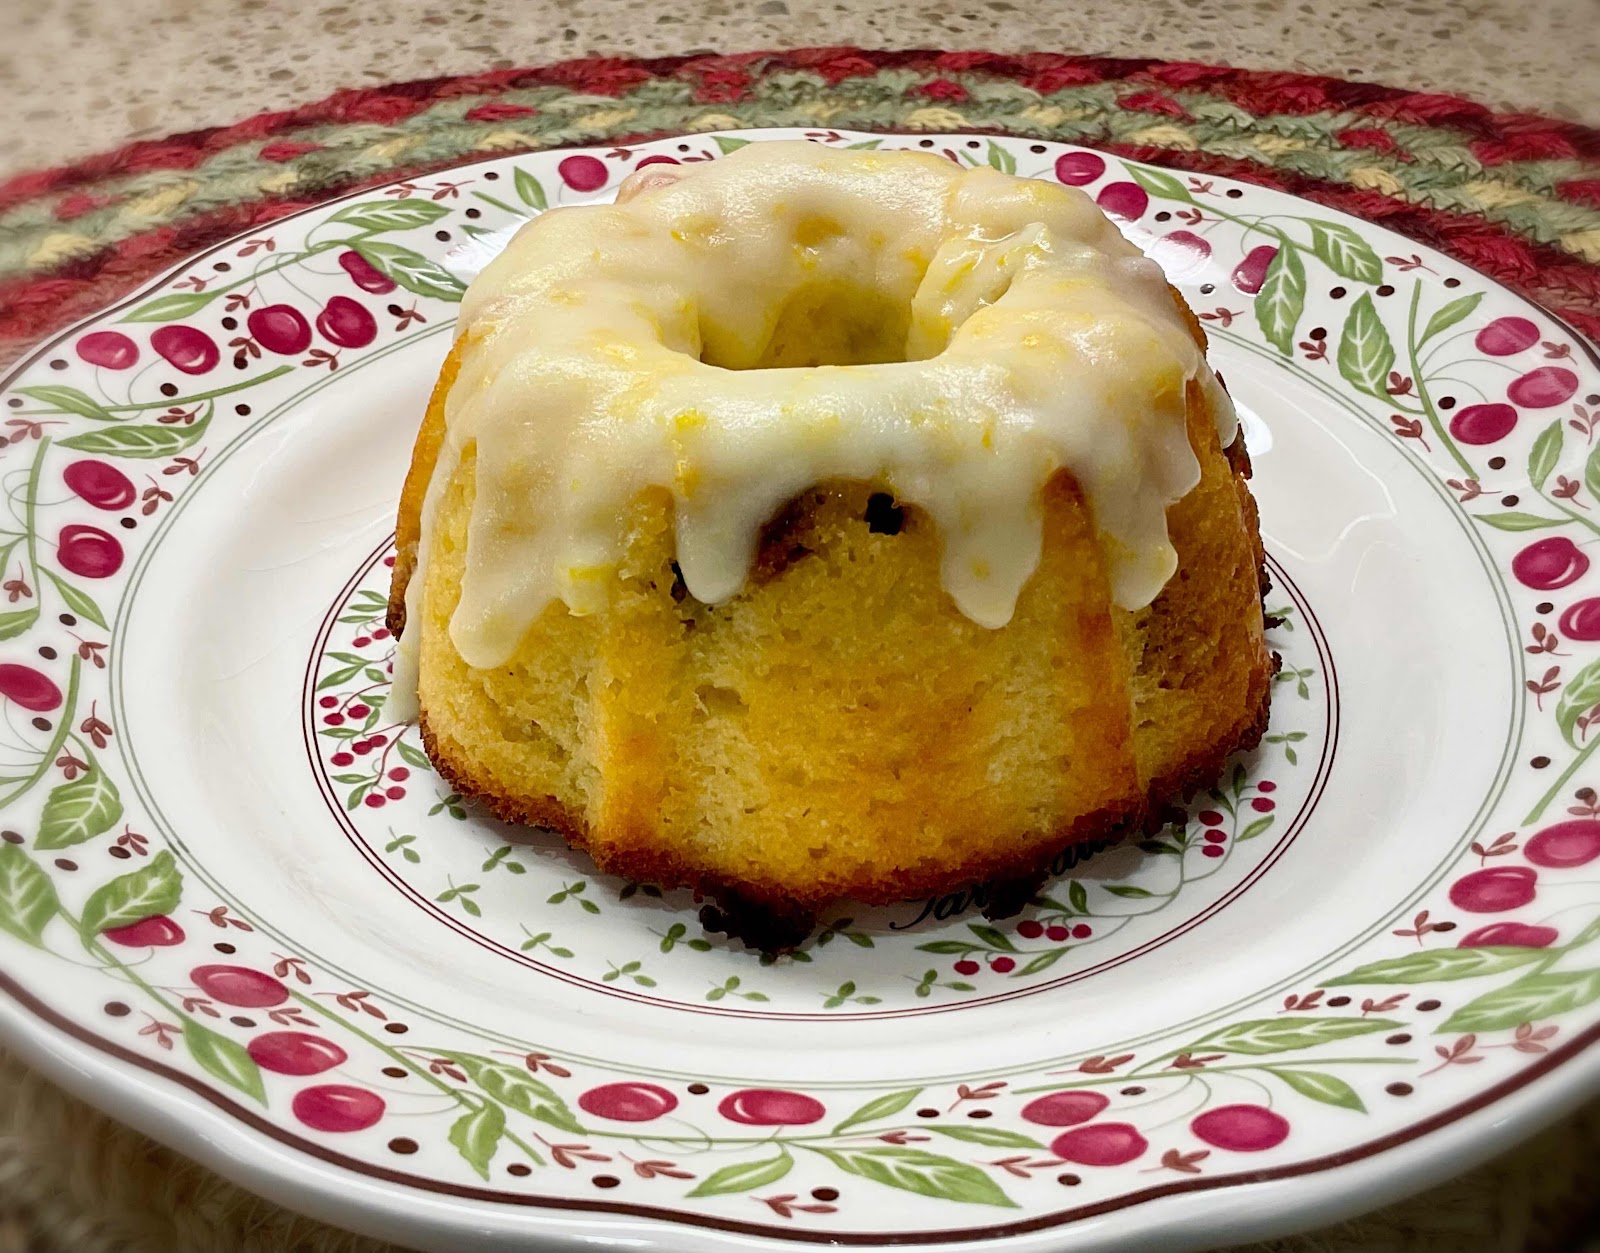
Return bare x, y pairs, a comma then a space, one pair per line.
1192, 707
775, 926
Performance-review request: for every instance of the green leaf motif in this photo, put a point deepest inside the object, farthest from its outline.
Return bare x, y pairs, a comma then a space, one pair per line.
17, 621
1128, 890
1255, 828
995, 1136
1344, 252
1159, 183
144, 442
1546, 452
476, 1135
1078, 897
1259, 1036
1438, 965
1326, 1088
224, 1059
28, 899
729, 143
1517, 521
880, 1107
77, 600
413, 271
530, 191
1591, 473
70, 400
413, 756
745, 1176
1529, 999
1443, 319
1282, 299
992, 936
390, 215
1581, 694
519, 1090
1365, 354
152, 889
170, 308
926, 1174
79, 811
1042, 961
1001, 158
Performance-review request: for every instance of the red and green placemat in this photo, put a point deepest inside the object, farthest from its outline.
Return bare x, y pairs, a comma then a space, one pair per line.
1516, 196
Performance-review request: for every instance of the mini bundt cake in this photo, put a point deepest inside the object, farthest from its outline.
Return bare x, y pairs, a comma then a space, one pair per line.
815, 524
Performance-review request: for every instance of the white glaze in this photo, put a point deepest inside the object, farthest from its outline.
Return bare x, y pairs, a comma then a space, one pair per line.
1038, 339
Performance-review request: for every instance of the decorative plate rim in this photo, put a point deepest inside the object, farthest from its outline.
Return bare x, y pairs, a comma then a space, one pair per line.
85, 1063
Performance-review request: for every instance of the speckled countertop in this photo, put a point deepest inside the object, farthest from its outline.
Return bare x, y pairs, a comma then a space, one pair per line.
80, 76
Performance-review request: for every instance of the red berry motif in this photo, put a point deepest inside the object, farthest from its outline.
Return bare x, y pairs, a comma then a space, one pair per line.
1241, 1128
186, 349
239, 985
1030, 929
282, 329
628, 1102
1081, 931
1064, 1109
1581, 620
347, 324
1180, 253
1056, 933
336, 1107
1211, 817
1547, 564
101, 485
967, 967
156, 931
771, 1107
1079, 168
1541, 388
111, 349
89, 552
25, 686
1250, 273
583, 173
1483, 424
1127, 201
1100, 1144
1567, 844
1494, 889
1505, 336
364, 275
1002, 965
342, 759
1510, 935
295, 1053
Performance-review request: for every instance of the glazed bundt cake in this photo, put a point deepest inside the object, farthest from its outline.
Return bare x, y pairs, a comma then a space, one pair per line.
815, 524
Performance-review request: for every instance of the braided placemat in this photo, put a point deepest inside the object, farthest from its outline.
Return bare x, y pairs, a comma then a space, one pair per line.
1516, 196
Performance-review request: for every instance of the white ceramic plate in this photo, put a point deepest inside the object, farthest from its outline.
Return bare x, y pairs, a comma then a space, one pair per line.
239, 910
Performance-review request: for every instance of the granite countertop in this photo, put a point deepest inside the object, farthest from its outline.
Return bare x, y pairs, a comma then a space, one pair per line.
81, 76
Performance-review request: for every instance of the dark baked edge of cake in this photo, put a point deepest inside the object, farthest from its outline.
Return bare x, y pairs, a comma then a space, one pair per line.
776, 926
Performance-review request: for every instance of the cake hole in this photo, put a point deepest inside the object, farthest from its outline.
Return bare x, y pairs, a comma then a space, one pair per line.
883, 516
719, 702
